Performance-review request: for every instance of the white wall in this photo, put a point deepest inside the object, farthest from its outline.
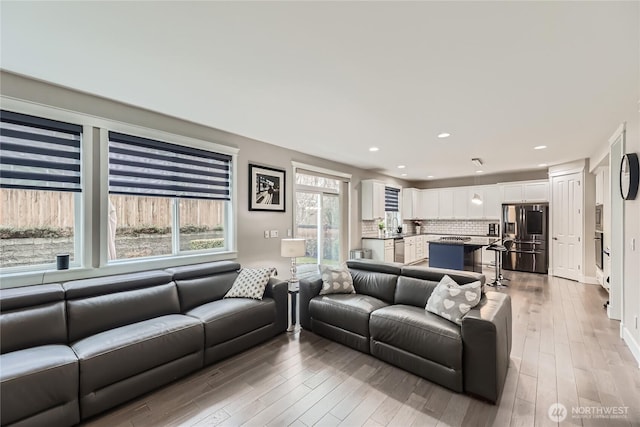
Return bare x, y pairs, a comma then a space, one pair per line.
253, 248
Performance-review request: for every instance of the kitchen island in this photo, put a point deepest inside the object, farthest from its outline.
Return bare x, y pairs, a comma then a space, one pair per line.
458, 253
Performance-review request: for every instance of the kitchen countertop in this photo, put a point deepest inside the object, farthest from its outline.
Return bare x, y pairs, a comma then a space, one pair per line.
488, 239
475, 241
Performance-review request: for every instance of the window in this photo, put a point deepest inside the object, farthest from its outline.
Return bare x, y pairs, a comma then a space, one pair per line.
392, 208
166, 199
40, 190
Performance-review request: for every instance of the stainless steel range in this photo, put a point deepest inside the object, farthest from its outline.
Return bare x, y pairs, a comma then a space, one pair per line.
455, 238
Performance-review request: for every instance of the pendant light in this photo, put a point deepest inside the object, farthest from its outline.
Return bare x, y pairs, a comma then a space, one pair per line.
476, 199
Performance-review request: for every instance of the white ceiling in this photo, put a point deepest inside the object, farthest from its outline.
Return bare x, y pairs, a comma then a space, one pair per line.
333, 79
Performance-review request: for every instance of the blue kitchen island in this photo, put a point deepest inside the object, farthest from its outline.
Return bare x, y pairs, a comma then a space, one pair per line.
458, 253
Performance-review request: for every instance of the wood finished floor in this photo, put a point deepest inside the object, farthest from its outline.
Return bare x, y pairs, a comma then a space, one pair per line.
564, 350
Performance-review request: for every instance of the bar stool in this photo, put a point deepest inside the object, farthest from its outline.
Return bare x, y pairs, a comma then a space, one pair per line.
497, 281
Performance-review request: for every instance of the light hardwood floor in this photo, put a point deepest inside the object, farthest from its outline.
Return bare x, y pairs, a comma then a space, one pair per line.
564, 350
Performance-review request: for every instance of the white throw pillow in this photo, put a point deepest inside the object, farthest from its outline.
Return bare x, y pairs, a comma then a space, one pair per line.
250, 283
452, 301
336, 280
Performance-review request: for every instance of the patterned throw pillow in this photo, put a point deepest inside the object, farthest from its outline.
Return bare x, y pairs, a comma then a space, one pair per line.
452, 301
336, 280
250, 283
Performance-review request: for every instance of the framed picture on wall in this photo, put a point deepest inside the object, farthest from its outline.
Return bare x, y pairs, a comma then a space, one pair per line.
266, 188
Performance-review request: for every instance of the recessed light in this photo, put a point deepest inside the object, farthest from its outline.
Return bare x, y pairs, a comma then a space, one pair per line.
543, 165
403, 174
444, 135
479, 171
372, 149
539, 147
401, 166
430, 176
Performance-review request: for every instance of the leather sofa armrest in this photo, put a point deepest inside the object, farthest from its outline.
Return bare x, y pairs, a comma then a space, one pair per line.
486, 338
277, 289
309, 288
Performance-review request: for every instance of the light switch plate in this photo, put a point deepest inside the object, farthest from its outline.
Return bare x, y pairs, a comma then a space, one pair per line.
274, 233
266, 234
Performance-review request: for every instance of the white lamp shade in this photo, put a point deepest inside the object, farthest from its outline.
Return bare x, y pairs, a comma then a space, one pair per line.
291, 248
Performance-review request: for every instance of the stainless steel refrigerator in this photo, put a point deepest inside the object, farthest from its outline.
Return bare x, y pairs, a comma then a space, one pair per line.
525, 236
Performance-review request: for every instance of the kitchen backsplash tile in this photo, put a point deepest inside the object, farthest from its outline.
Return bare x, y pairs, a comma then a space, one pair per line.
453, 227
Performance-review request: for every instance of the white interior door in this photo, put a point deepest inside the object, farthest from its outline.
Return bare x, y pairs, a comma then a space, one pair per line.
567, 225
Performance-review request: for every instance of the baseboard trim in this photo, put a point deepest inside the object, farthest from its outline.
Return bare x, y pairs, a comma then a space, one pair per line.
632, 344
589, 280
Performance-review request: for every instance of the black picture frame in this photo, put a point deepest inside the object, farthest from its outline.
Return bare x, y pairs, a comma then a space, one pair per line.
267, 188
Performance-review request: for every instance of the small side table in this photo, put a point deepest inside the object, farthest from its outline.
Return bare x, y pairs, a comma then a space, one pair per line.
294, 288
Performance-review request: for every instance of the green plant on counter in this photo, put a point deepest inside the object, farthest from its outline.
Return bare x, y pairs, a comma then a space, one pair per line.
381, 225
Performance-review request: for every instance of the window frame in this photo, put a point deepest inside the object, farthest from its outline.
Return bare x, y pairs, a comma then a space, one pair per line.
177, 257
91, 259
83, 213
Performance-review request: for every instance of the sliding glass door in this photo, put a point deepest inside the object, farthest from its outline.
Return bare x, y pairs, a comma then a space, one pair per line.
318, 219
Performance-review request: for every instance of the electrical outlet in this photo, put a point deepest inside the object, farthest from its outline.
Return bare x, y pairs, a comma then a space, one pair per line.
274, 233
266, 234
289, 233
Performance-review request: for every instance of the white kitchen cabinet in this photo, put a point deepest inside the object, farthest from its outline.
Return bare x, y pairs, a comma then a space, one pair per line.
420, 247
522, 192
409, 249
460, 203
411, 203
602, 185
491, 202
372, 196
445, 204
389, 250
475, 211
430, 203
381, 249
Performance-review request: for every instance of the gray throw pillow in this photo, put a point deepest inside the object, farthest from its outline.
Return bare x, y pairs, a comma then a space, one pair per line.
250, 283
452, 301
336, 280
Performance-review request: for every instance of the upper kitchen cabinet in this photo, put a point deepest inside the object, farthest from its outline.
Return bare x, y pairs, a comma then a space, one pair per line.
475, 211
411, 203
445, 204
602, 185
372, 195
460, 203
492, 206
521, 192
430, 204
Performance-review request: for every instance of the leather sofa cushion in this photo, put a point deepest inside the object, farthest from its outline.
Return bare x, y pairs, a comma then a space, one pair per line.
36, 379
379, 285
419, 332
232, 317
92, 315
412, 291
202, 283
436, 274
29, 296
109, 284
347, 311
120, 353
33, 326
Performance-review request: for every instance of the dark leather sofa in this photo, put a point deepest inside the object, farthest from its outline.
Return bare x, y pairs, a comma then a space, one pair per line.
386, 317
74, 350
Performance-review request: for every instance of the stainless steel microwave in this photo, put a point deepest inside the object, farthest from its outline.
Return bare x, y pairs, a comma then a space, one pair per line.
599, 218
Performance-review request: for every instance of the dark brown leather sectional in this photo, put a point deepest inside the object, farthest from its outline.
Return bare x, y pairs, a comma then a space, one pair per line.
74, 350
386, 317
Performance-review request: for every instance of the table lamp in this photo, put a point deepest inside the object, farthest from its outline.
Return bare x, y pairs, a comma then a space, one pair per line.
292, 248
